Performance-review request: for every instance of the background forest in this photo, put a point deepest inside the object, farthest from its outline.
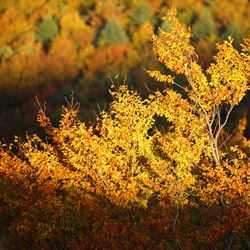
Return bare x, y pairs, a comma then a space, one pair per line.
51, 48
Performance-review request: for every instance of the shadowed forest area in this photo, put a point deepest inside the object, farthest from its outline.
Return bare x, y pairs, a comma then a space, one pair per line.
56, 47
124, 125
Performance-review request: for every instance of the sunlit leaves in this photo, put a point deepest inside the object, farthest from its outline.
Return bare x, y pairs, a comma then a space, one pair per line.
219, 185
228, 74
124, 182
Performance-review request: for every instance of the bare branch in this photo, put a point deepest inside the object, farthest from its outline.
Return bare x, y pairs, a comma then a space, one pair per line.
209, 208
225, 122
98, 173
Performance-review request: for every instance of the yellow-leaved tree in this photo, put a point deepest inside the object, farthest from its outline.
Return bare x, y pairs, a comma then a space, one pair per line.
122, 183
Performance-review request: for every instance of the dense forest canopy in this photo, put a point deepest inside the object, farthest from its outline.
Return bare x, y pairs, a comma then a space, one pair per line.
122, 181
56, 47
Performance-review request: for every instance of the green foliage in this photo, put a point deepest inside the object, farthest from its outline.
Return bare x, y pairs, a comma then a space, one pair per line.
47, 30
188, 15
113, 33
25, 47
61, 4
5, 5
5, 52
233, 30
204, 27
141, 14
166, 26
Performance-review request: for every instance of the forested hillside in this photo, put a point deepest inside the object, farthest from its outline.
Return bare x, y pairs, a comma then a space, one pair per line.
123, 181
51, 48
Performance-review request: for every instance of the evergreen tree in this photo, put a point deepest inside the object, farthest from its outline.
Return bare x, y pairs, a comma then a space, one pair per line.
204, 27
47, 30
141, 14
233, 30
113, 33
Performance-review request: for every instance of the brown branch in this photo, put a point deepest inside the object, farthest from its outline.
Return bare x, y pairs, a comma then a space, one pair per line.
209, 208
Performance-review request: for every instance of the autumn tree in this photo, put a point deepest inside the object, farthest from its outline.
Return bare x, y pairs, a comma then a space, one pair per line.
82, 22
13, 26
219, 172
123, 182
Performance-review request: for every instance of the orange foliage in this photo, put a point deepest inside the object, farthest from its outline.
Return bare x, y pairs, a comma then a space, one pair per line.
12, 26
18, 72
81, 22
110, 58
116, 185
61, 63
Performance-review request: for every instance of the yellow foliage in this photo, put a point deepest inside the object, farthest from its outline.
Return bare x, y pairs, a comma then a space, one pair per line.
123, 183
71, 21
12, 26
